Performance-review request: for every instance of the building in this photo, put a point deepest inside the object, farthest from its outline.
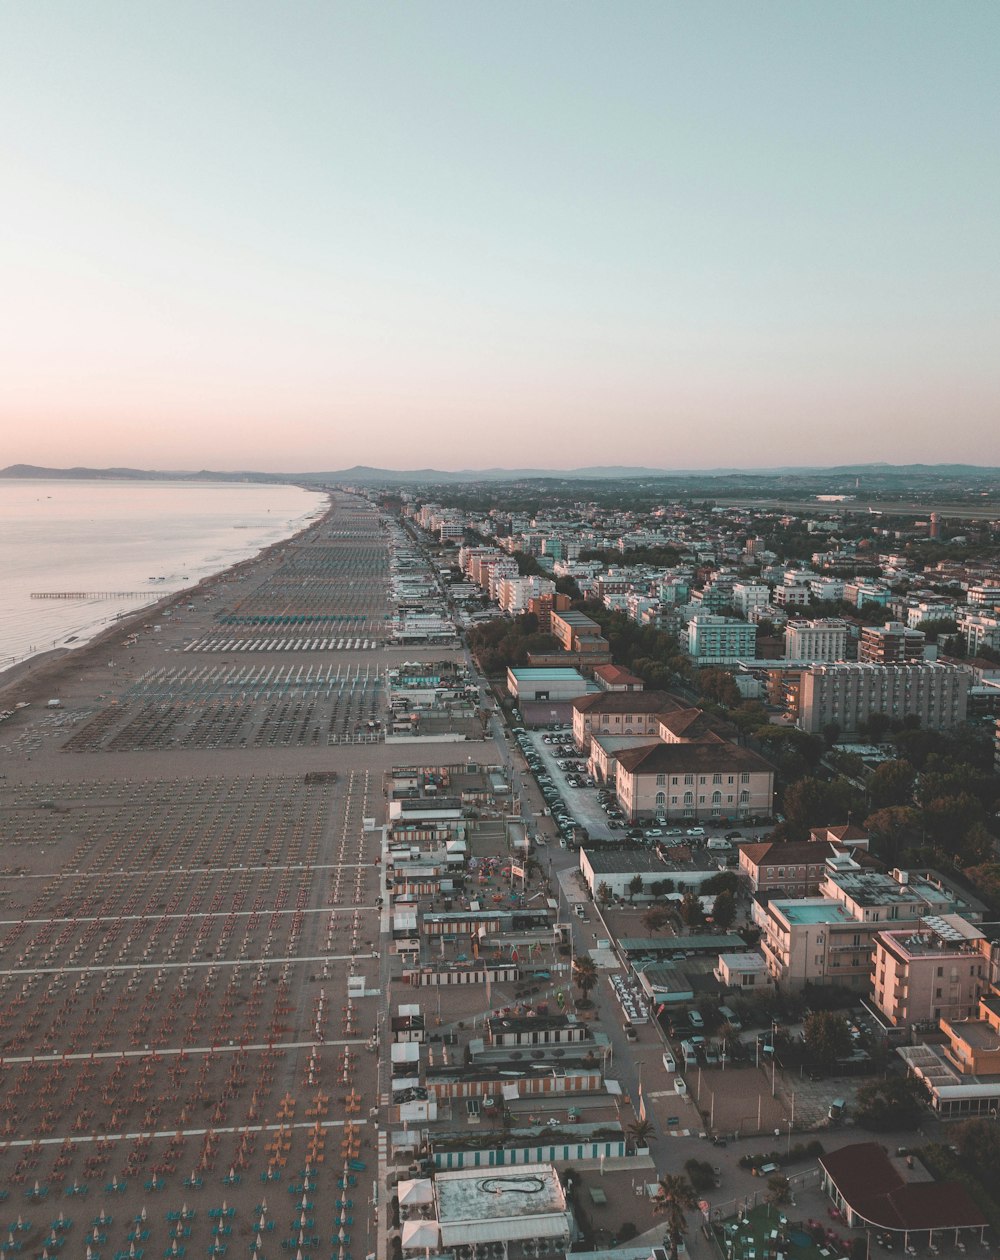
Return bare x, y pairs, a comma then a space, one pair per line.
813, 940
744, 972
516, 593
821, 640
902, 897
937, 971
578, 633
891, 644
554, 683
847, 695
503, 1208
846, 836
619, 713
618, 868
614, 678
875, 1190
543, 606
791, 868
719, 640
747, 595
693, 781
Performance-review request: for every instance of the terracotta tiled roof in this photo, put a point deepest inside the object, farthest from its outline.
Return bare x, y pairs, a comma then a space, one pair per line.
691, 758
627, 702
872, 1188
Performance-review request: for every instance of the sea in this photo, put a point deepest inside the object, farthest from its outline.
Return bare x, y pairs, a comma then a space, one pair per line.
115, 546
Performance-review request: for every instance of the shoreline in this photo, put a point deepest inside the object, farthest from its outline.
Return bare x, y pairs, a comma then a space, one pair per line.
22, 681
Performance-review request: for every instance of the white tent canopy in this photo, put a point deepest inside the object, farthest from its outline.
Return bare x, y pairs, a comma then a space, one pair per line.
415, 1192
420, 1235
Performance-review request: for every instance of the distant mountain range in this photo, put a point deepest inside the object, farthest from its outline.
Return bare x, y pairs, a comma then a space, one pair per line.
362, 474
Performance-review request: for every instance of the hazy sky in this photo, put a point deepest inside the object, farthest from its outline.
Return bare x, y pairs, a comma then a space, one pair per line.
286, 235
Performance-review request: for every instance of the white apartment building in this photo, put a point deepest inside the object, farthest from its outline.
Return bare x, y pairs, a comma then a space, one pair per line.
747, 595
929, 610
792, 596
719, 640
515, 592
821, 640
980, 630
826, 588
848, 694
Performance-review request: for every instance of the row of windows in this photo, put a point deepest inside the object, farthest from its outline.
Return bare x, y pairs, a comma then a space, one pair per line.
661, 779
661, 798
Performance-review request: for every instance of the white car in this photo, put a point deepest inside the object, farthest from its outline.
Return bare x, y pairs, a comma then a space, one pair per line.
695, 831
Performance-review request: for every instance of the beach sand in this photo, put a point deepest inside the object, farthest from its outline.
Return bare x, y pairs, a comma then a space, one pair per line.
181, 912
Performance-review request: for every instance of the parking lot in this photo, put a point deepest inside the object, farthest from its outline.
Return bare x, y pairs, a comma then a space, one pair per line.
562, 773
581, 802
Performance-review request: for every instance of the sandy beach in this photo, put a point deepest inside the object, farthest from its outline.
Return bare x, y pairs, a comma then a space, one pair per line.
188, 890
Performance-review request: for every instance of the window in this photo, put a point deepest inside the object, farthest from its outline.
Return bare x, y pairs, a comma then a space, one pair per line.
744, 777
940, 972
744, 798
716, 778
661, 780
661, 798
688, 778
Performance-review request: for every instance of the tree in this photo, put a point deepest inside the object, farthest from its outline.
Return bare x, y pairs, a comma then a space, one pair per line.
895, 1103
978, 1142
718, 686
604, 893
640, 1131
831, 733
724, 910
634, 887
656, 918
827, 1037
891, 784
779, 1190
690, 910
893, 831
812, 802
700, 1174
676, 1197
584, 975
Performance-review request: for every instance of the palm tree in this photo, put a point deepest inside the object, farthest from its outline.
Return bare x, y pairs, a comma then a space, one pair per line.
640, 1131
584, 974
676, 1198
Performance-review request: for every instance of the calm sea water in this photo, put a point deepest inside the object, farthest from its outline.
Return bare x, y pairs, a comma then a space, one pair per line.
123, 536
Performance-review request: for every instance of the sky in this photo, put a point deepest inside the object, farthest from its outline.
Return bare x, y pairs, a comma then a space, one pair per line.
300, 236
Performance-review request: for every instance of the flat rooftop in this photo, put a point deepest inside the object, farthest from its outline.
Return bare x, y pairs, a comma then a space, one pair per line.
551, 673
800, 913
483, 1195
